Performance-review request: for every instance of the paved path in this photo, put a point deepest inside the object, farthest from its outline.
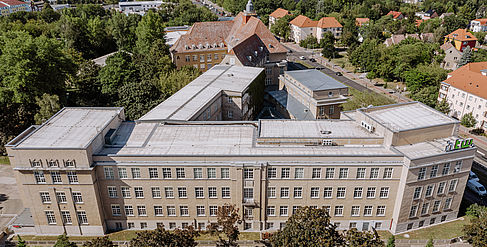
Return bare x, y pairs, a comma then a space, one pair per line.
10, 202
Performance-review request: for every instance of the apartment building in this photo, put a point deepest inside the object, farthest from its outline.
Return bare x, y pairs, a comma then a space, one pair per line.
138, 7
310, 94
302, 27
465, 90
11, 6
87, 171
478, 25
276, 15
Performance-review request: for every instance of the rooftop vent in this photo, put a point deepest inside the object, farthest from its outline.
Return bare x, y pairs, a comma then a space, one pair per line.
109, 136
230, 74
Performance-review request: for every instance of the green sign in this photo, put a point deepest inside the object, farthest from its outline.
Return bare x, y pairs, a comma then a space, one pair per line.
459, 144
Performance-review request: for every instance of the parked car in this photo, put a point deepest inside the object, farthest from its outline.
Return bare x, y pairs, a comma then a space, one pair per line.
302, 58
312, 60
338, 73
473, 176
476, 187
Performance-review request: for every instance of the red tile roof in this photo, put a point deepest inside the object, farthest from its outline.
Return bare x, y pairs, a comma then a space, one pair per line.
12, 2
279, 13
327, 22
482, 21
461, 35
361, 21
2, 5
395, 14
212, 33
303, 21
469, 79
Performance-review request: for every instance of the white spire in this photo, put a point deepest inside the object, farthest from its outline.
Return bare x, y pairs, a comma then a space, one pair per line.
250, 7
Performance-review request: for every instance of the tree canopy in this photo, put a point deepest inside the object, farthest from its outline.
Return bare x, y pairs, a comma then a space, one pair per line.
163, 238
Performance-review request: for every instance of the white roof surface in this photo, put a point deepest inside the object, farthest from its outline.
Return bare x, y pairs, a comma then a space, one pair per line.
424, 149
185, 103
71, 128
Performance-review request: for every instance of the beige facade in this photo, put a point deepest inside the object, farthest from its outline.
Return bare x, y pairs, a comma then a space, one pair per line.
202, 60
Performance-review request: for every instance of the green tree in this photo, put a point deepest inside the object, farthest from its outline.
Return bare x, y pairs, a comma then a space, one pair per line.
468, 120
149, 29
118, 71
349, 35
281, 27
21, 242
154, 63
227, 218
328, 45
48, 105
63, 241
162, 238
138, 97
86, 86
475, 231
122, 28
443, 107
430, 243
475, 210
356, 238
47, 14
424, 76
309, 42
99, 242
427, 95
466, 57
170, 82
308, 227
391, 242
367, 55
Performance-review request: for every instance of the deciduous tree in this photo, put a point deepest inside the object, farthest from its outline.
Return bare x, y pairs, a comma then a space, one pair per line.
99, 242
48, 105
227, 218
468, 120
328, 45
443, 106
63, 241
163, 238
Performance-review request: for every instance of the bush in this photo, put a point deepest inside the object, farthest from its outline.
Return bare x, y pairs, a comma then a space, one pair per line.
477, 131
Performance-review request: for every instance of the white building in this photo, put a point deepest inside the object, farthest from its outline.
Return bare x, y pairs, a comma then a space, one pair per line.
478, 25
465, 90
139, 7
302, 27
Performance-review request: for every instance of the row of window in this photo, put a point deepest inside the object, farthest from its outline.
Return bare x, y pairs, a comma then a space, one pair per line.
40, 177
172, 225
182, 192
434, 169
358, 192
215, 56
166, 173
425, 208
51, 163
61, 197
355, 211
66, 217
422, 222
329, 173
440, 189
171, 210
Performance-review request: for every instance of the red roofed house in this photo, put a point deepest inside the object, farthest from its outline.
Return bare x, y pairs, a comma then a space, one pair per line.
478, 25
461, 39
276, 15
11, 6
396, 15
465, 89
302, 27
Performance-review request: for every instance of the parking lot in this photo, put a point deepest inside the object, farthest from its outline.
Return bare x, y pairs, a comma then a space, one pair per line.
10, 201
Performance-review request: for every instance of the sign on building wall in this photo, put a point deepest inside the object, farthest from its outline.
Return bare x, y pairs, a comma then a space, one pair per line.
459, 144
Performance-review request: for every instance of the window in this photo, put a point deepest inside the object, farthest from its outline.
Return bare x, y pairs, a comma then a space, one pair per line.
330, 173
316, 173
410, 226
271, 192
195, 58
131, 225
384, 192
112, 192
441, 188
328, 192
216, 56
381, 210
156, 192
66, 216
82, 219
212, 193
268, 81
139, 192
135, 172
183, 210
446, 169
436, 206
443, 218
434, 171
283, 211
298, 172
368, 210
271, 211
108, 173
285, 172
424, 208
180, 173
158, 211
45, 198
199, 193
188, 58
298, 192
125, 191
374, 173
295, 209
225, 192
361, 172
432, 221
421, 223
225, 173
72, 177
51, 219
355, 211
53, 163
129, 210
248, 173
341, 192
153, 173
422, 173
211, 172
338, 210
388, 172
169, 192
271, 172
182, 193
122, 173
315, 192
230, 114
343, 173
56, 177
202, 58
116, 210
141, 211
39, 176
198, 172
378, 225
285, 192
200, 210
413, 211
417, 193
357, 192
331, 110
458, 166
36, 163
371, 192
61, 197
171, 210
429, 190
166, 173
208, 57
453, 185
213, 210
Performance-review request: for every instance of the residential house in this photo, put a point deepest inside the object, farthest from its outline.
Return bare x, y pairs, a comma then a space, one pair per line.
276, 15
396, 15
444, 15
461, 38
426, 15
478, 25
397, 38
452, 56
361, 21
412, 1
302, 27
465, 90
11, 6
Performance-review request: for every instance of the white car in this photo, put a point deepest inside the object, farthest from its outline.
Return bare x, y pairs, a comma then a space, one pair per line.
473, 176
476, 187
302, 58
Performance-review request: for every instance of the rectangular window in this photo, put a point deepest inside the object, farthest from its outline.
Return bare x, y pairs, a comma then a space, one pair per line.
129, 210
139, 192
195, 58
381, 210
422, 173
45, 198
156, 192
413, 211
180, 173
112, 192
199, 193
361, 172
51, 219
158, 210
56, 177
298, 192
285, 172
225, 173
328, 192
374, 172
316, 173
338, 210
200, 210
208, 57
441, 188
341, 192
424, 208
116, 210
271, 192
216, 56
271, 211
271, 172
198, 172
436, 206
39, 176
248, 193
82, 217
446, 169
453, 185
169, 192
388, 172
212, 193
283, 211
429, 190
371, 192
122, 173
183, 210
225, 192
417, 193
458, 166
141, 211
153, 173
248, 173
315, 192
343, 173
384, 192
330, 173
171, 210
108, 173
125, 191
357, 192
434, 171
368, 210
295, 209
298, 172
72, 177
355, 211
166, 173
61, 197
202, 58
211, 172
188, 58
285, 192
135, 172
213, 210
182, 193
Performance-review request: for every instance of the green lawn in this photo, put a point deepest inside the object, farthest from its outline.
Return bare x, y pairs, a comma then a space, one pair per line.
4, 160
343, 62
442, 231
304, 64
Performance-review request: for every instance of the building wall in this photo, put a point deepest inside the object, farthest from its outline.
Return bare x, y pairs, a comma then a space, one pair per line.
475, 26
15, 8
300, 33
336, 31
195, 59
452, 57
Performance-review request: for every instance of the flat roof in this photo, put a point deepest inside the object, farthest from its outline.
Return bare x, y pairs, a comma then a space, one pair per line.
412, 115
193, 97
425, 149
71, 127
315, 80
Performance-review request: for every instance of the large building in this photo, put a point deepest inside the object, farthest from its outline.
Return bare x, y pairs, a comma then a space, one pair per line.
302, 27
245, 40
87, 171
276, 15
138, 7
11, 6
465, 90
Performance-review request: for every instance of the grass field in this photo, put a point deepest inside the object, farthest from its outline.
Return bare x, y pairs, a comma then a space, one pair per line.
4, 160
447, 230
343, 62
